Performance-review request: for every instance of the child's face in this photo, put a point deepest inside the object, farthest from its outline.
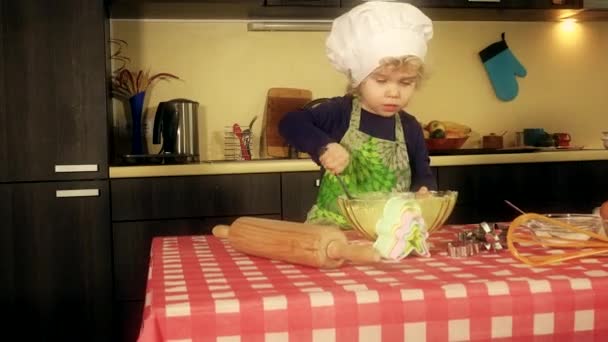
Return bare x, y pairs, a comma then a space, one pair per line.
387, 90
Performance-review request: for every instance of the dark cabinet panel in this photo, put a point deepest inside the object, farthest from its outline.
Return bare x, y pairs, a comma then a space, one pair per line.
504, 10
196, 196
53, 110
502, 4
128, 320
3, 116
7, 248
57, 254
299, 192
560, 187
132, 251
132, 248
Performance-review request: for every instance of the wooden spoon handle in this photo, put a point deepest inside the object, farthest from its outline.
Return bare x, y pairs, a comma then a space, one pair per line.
355, 253
221, 231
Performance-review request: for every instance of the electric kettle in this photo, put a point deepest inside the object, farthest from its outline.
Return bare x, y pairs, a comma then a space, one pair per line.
176, 121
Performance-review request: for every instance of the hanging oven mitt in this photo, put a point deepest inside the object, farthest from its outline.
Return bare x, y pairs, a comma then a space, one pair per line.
502, 67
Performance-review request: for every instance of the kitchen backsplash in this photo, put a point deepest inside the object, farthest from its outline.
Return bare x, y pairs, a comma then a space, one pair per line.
229, 70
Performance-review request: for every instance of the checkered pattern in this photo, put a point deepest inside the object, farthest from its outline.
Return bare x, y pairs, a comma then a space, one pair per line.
200, 289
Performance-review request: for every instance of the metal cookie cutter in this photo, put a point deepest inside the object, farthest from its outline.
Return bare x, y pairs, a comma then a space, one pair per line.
463, 249
491, 236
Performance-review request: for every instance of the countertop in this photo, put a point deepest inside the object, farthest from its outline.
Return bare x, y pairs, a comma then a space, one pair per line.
294, 165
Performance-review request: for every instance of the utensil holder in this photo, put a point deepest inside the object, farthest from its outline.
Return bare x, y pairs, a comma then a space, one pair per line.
232, 145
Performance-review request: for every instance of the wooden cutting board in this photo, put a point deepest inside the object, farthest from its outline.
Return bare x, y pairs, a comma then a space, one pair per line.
278, 102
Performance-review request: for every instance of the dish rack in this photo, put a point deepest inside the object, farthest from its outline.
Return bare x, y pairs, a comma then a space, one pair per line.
238, 142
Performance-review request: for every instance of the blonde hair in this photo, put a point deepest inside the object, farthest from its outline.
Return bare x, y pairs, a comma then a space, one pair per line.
410, 64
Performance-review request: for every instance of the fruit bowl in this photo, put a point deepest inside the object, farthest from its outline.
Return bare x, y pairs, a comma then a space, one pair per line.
364, 211
445, 143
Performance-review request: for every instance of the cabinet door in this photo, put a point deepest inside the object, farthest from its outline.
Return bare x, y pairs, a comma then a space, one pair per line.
132, 242
298, 194
502, 4
132, 248
560, 187
57, 252
7, 254
483, 189
135, 199
54, 98
3, 115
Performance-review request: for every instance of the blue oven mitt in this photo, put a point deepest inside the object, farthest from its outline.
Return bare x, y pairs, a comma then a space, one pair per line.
502, 67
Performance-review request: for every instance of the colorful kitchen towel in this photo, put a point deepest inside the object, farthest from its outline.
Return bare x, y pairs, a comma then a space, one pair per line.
502, 68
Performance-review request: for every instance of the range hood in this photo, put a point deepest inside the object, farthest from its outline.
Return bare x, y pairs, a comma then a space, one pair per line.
593, 10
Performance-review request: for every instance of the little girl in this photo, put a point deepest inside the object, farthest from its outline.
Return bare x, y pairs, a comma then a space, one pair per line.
365, 137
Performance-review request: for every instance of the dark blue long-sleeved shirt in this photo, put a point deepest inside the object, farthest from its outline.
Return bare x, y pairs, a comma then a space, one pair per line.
308, 130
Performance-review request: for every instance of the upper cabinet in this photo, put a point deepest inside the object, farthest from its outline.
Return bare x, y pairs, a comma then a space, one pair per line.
53, 90
512, 10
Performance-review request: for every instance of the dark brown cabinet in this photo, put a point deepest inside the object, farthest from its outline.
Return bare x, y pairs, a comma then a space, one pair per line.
4, 158
131, 262
143, 208
501, 4
507, 10
54, 194
299, 192
195, 196
53, 84
7, 248
503, 10
556, 187
56, 254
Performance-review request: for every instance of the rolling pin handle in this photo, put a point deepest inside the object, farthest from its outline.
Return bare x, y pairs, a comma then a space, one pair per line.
221, 231
355, 253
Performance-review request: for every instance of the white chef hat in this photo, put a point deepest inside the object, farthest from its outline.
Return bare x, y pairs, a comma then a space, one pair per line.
360, 38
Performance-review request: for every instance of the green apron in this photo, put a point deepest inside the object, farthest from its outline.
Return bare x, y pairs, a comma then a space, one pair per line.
376, 165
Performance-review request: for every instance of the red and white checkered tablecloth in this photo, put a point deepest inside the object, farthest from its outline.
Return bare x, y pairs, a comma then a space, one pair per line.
200, 289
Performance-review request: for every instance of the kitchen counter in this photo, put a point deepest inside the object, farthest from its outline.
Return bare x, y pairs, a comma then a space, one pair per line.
294, 165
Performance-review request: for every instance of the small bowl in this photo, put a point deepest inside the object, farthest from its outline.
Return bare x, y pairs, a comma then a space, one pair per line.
588, 222
445, 143
364, 211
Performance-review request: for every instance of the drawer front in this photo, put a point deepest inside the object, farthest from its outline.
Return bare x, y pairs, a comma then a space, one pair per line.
195, 196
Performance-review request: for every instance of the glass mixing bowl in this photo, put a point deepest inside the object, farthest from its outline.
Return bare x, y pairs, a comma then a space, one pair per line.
588, 222
364, 211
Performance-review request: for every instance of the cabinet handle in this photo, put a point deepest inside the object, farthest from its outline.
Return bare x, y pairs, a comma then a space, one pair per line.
77, 168
77, 193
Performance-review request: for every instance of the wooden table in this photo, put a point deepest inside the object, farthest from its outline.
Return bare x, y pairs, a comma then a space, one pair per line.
200, 289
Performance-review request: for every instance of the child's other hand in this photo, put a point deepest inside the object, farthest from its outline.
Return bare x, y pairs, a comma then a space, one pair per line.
335, 158
423, 192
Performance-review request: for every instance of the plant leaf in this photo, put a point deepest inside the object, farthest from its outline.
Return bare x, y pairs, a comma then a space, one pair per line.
163, 75
123, 61
137, 83
128, 80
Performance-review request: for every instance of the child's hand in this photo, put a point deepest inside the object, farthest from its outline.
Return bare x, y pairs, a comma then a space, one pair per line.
335, 158
423, 192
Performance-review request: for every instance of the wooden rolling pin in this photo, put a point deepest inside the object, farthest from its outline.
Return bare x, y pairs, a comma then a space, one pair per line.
292, 242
